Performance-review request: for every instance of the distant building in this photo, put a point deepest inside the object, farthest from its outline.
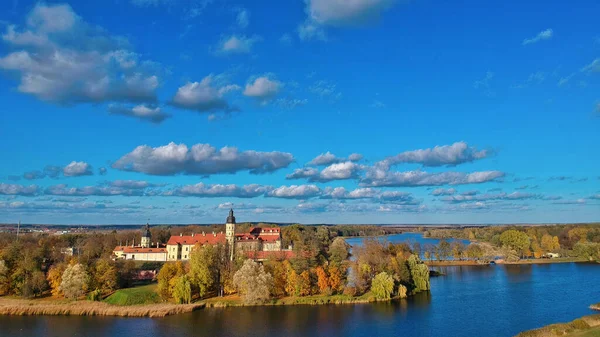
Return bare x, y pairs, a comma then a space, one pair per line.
259, 244
143, 252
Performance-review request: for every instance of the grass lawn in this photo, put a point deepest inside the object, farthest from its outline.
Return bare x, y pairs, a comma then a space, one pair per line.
594, 332
134, 296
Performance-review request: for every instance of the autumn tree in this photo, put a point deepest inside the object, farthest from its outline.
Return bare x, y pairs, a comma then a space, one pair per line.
382, 286
4, 278
105, 276
292, 280
253, 282
338, 250
278, 270
322, 280
54, 277
166, 277
419, 273
304, 284
336, 278
74, 281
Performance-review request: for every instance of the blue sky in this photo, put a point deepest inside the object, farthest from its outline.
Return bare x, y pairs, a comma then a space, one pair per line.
316, 111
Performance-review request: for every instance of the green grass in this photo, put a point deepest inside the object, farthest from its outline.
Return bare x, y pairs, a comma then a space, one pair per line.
134, 296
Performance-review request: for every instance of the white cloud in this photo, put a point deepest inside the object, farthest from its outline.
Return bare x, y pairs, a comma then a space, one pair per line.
204, 96
14, 189
200, 159
380, 177
218, 191
445, 155
592, 67
488, 197
295, 192
325, 90
243, 18
263, 88
152, 114
543, 35
443, 191
346, 13
237, 44
290, 103
309, 30
62, 59
336, 171
329, 158
64, 190
78, 168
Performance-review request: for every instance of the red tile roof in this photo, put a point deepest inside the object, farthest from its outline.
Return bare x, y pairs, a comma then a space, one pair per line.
207, 238
119, 248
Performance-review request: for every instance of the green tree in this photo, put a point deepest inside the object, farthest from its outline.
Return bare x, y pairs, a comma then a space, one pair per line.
182, 290
382, 286
419, 273
106, 277
204, 266
166, 278
515, 240
338, 250
253, 282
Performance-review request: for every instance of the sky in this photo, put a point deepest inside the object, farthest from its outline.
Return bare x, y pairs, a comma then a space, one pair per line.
314, 111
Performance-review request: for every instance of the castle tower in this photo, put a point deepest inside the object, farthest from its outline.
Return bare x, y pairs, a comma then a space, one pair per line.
230, 233
146, 236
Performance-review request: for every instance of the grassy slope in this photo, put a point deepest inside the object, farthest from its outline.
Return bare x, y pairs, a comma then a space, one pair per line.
134, 296
587, 326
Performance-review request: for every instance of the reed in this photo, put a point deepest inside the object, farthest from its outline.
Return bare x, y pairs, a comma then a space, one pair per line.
20, 307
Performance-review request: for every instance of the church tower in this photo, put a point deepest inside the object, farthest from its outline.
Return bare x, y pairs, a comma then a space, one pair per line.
230, 233
146, 236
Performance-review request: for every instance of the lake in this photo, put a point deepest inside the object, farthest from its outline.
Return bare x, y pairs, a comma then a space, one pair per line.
491, 300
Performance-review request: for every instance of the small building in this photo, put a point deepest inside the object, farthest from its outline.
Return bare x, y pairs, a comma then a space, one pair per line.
552, 255
143, 252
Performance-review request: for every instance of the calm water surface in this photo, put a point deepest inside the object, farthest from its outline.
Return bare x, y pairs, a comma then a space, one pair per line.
468, 301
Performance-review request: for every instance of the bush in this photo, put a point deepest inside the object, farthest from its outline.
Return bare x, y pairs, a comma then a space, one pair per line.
382, 286
580, 324
350, 291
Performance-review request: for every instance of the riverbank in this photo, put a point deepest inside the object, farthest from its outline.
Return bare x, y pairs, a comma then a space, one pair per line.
587, 326
595, 306
22, 307
236, 301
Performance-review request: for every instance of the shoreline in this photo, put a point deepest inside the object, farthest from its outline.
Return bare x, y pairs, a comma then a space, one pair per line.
63, 307
584, 326
24, 307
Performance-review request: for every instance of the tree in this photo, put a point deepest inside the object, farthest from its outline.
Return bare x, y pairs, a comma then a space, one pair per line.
382, 286
419, 273
204, 268
253, 282
182, 290
322, 280
74, 281
458, 249
167, 277
38, 283
304, 284
292, 279
474, 251
54, 277
4, 279
338, 250
278, 270
106, 277
516, 240
336, 279
443, 250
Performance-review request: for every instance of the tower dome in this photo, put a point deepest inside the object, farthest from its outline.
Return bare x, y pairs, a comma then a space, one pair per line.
231, 218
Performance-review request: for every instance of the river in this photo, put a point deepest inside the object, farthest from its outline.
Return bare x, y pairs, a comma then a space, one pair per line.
491, 300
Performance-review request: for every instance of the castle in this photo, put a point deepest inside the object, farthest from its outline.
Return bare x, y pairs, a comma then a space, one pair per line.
259, 244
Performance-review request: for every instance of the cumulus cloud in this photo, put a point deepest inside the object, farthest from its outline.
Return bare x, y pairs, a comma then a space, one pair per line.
14, 189
443, 191
218, 191
543, 35
132, 184
102, 171
200, 159
309, 30
381, 177
263, 88
446, 155
77, 169
295, 192
342, 193
237, 44
346, 13
204, 96
337, 171
62, 59
148, 113
328, 158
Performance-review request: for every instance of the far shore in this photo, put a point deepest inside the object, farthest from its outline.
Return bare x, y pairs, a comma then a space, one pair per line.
433, 263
